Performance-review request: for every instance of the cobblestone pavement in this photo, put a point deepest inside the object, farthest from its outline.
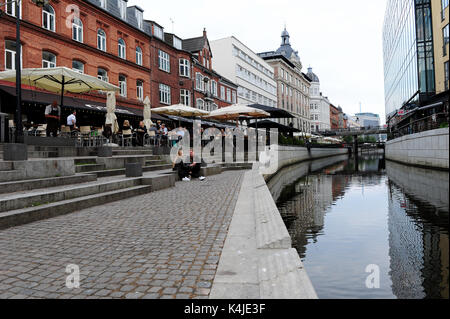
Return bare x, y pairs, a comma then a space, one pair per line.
165, 244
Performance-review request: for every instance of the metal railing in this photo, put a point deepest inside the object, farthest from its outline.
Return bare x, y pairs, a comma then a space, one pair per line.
428, 123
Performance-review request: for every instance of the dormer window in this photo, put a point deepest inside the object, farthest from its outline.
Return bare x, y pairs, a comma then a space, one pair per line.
103, 4
140, 19
157, 32
177, 43
122, 8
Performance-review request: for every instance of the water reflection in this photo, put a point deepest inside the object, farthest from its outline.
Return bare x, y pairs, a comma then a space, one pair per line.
344, 214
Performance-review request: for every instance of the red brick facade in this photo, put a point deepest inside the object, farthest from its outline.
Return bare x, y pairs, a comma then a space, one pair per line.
334, 117
36, 39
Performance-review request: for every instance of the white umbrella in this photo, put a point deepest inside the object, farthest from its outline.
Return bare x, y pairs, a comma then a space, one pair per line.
59, 80
180, 110
111, 118
147, 113
236, 111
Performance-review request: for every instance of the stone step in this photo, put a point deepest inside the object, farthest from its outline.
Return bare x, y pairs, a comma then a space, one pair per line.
11, 187
38, 154
155, 162
11, 175
282, 276
82, 161
132, 152
33, 214
121, 171
6, 166
85, 168
38, 198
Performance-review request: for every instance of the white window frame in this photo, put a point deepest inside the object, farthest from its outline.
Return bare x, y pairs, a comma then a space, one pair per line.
199, 83
47, 64
158, 32
177, 43
50, 17
185, 97
140, 19
13, 56
123, 85
101, 40
78, 70
122, 48
139, 56
164, 61
233, 97
214, 88
103, 4
164, 94
229, 95
185, 68
200, 104
101, 77
10, 8
140, 90
222, 93
122, 8
77, 30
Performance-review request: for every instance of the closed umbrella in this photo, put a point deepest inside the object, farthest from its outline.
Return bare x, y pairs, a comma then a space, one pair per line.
111, 118
147, 113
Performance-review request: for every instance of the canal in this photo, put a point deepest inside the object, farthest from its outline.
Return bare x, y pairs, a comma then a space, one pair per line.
369, 229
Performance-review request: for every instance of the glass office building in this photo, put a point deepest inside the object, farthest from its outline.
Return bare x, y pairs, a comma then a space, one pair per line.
408, 54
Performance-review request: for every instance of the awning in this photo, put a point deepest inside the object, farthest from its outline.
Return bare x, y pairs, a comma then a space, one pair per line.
272, 124
274, 112
40, 97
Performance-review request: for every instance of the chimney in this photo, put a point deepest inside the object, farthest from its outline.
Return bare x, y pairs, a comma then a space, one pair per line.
204, 32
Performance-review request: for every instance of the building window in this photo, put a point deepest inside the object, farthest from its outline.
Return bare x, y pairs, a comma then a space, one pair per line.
78, 66
138, 56
140, 90
122, 49
184, 68
158, 32
123, 85
122, 8
214, 88
77, 30
102, 74
447, 75
445, 37
229, 95
140, 19
103, 4
200, 104
164, 94
185, 97
10, 8
164, 61
48, 60
10, 55
101, 40
233, 97
177, 43
222, 93
199, 84
48, 18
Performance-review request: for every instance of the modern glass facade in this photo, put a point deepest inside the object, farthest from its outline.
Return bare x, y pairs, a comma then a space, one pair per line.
408, 53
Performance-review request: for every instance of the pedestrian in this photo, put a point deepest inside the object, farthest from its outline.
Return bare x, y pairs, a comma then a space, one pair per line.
179, 166
53, 117
72, 121
194, 167
140, 134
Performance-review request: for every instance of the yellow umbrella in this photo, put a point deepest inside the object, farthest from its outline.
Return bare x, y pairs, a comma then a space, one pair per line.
234, 112
180, 110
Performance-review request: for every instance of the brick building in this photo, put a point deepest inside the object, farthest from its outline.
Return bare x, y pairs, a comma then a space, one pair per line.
211, 90
334, 117
107, 39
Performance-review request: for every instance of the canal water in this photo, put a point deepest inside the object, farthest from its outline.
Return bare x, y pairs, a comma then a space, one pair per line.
369, 229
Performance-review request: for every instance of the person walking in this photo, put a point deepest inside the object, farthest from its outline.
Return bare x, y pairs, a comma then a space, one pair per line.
53, 117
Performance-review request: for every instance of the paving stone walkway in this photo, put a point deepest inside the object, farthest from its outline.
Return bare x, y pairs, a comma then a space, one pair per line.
165, 245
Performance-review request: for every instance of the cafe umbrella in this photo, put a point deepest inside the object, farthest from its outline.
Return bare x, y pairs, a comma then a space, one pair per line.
59, 80
180, 110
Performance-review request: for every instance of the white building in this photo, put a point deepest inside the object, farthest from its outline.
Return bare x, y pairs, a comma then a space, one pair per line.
254, 76
319, 105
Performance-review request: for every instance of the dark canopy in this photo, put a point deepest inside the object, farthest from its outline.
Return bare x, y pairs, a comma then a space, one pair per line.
272, 124
274, 112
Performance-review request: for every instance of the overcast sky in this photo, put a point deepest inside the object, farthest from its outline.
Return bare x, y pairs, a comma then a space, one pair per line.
341, 40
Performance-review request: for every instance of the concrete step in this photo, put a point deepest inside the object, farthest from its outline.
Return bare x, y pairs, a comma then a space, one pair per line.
6, 166
155, 162
121, 171
83, 161
42, 197
85, 168
11, 187
282, 276
10, 175
132, 152
32, 214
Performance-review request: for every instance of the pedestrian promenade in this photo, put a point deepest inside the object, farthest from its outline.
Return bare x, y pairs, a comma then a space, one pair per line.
165, 244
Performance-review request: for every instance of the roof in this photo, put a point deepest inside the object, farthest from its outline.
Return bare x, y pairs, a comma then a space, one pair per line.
194, 44
312, 75
267, 56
